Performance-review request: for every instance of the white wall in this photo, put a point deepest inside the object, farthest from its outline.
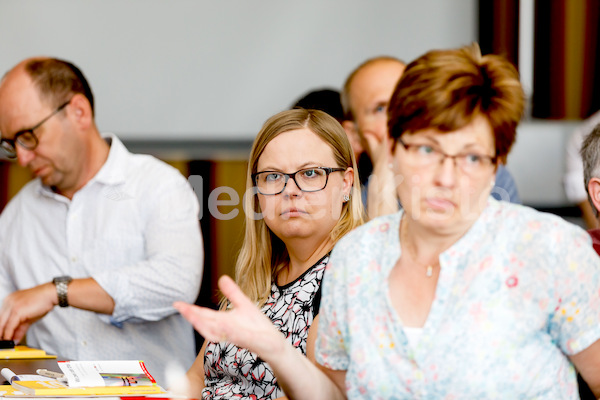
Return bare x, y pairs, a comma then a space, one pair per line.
206, 69
537, 161
212, 70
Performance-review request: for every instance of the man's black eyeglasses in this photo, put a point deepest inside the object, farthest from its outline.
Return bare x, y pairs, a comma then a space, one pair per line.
307, 180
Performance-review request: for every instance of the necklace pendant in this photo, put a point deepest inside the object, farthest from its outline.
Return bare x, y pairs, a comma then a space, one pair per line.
429, 271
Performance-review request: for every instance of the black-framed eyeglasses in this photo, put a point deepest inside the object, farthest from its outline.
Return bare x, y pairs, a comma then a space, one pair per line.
425, 155
26, 138
307, 179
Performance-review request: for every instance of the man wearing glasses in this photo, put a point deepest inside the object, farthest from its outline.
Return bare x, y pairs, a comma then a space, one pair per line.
94, 251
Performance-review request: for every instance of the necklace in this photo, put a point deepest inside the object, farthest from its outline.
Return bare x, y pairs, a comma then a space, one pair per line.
409, 250
429, 271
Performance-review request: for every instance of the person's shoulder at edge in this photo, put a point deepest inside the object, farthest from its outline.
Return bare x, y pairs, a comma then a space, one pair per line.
595, 235
505, 187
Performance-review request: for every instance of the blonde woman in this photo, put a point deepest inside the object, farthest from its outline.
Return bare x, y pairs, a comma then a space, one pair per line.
307, 196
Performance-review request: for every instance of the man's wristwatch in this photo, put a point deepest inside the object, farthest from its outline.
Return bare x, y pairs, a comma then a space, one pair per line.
62, 286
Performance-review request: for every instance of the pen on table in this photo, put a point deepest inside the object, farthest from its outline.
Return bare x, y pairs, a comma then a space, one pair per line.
49, 374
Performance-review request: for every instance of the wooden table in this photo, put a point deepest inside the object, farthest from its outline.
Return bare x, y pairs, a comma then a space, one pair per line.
28, 366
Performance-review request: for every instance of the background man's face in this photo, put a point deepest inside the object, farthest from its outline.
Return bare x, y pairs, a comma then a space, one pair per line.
369, 93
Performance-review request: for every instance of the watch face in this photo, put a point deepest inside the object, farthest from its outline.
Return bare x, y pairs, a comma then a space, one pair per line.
60, 279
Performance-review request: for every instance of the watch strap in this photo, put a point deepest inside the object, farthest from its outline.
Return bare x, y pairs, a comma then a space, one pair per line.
62, 288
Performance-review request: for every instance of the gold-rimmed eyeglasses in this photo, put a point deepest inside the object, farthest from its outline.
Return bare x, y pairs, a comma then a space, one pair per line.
427, 155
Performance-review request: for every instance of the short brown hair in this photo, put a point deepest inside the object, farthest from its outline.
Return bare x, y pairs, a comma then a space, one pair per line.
57, 80
447, 89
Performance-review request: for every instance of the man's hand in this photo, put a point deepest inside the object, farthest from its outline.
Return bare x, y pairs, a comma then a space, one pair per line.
382, 198
22, 308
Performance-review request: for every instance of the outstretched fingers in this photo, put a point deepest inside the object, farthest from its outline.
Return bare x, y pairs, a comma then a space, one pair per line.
242, 324
204, 320
218, 326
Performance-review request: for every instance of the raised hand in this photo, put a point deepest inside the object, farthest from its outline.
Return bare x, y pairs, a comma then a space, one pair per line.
242, 324
382, 198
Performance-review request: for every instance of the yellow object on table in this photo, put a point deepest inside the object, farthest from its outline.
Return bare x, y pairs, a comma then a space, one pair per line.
23, 352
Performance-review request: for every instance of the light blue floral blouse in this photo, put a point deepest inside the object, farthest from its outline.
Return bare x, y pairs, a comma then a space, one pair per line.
516, 294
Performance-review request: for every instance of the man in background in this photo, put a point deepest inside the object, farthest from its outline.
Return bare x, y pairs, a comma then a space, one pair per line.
365, 97
95, 249
590, 156
573, 180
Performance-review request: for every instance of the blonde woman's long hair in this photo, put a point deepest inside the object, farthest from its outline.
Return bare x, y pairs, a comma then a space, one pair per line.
263, 254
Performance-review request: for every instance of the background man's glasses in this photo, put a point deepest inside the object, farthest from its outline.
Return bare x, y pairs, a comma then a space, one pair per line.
424, 155
307, 180
26, 138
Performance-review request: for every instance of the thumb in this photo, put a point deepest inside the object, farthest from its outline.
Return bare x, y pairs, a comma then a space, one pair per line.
233, 292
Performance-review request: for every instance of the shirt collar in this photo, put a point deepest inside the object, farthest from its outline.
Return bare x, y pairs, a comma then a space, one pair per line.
111, 173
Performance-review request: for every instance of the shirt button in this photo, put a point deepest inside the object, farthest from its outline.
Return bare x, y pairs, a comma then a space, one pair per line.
84, 343
74, 259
